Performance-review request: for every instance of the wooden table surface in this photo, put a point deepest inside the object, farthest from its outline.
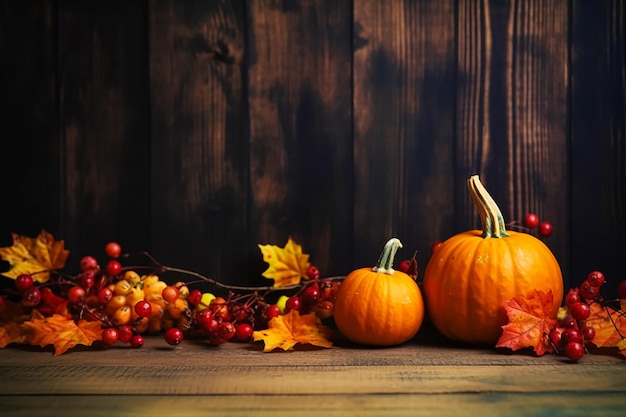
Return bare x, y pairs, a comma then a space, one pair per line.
426, 376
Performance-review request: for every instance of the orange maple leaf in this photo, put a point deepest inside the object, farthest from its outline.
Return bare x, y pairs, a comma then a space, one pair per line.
529, 323
11, 333
610, 326
61, 332
287, 266
35, 256
286, 331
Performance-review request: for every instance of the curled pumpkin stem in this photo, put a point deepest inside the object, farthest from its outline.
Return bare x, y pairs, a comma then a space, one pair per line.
490, 214
385, 261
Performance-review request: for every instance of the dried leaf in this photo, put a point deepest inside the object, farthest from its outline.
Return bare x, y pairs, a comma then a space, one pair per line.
609, 324
287, 266
11, 333
286, 331
529, 323
35, 256
61, 332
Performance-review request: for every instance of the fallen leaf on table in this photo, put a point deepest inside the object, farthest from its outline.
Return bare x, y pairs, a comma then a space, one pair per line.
610, 326
529, 323
285, 331
61, 332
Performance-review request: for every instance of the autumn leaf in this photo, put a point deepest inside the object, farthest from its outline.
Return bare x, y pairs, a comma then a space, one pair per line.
61, 332
286, 331
35, 256
610, 326
11, 333
287, 266
529, 323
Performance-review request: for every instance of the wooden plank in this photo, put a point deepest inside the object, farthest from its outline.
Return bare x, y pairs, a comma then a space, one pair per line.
512, 111
103, 126
30, 168
469, 404
301, 128
404, 125
199, 149
598, 170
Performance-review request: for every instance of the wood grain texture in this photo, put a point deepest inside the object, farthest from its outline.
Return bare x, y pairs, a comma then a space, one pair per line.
403, 118
512, 112
199, 153
102, 74
409, 405
598, 171
300, 128
29, 163
423, 376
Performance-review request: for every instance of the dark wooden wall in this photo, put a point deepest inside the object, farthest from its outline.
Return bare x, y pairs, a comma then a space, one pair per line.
197, 129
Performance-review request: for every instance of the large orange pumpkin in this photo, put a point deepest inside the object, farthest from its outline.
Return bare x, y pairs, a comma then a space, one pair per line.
379, 306
472, 273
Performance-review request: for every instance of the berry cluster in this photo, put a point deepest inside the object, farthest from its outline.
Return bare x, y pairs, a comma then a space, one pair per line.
129, 305
570, 337
317, 296
531, 222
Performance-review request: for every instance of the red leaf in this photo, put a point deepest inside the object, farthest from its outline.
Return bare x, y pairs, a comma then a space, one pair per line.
529, 323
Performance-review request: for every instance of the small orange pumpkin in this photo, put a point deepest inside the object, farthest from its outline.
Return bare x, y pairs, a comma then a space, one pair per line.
472, 273
379, 306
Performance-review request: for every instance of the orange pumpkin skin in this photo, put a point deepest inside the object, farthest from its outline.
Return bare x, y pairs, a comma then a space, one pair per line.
470, 276
378, 308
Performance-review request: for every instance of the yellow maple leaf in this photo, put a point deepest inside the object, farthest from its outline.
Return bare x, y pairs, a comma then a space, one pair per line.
35, 256
287, 266
61, 332
286, 331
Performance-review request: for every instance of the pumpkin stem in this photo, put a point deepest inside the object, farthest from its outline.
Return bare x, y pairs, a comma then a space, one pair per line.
385, 261
490, 214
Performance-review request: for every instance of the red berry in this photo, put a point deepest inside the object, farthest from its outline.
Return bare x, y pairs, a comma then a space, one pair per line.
125, 333
110, 335
136, 341
311, 294
204, 316
226, 330
588, 291
435, 246
568, 321
545, 229
105, 295
293, 303
76, 294
596, 278
87, 279
243, 332
574, 351
31, 297
555, 338
621, 290
143, 308
113, 268
571, 334
174, 336
113, 250
312, 272
24, 281
572, 297
194, 297
274, 311
580, 310
588, 333
211, 325
531, 220
87, 263
1, 301
404, 265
